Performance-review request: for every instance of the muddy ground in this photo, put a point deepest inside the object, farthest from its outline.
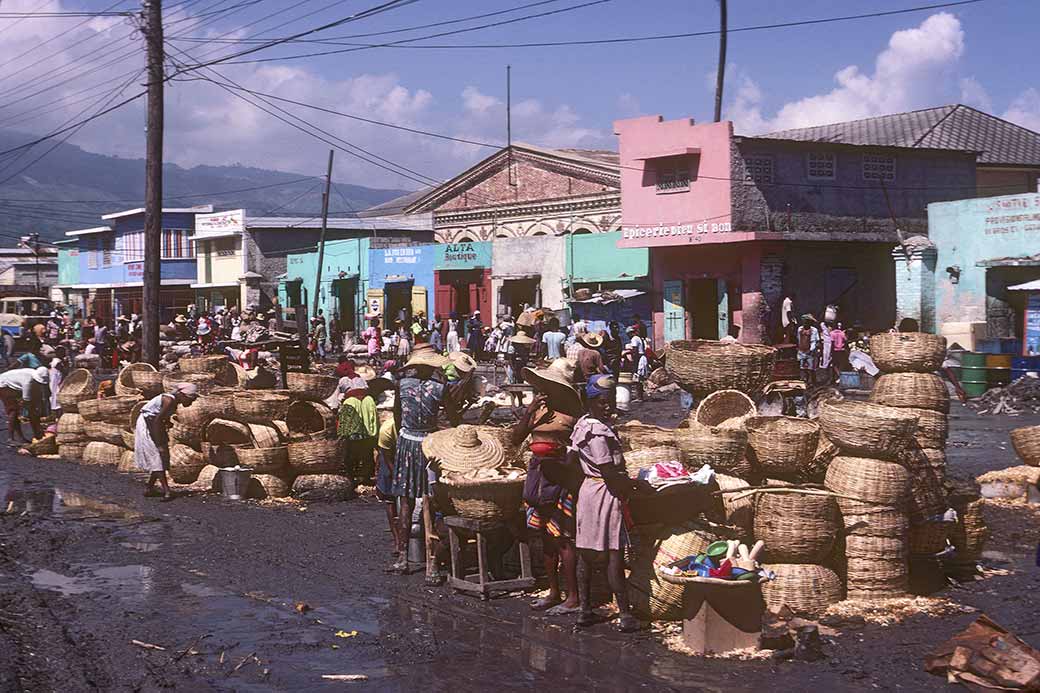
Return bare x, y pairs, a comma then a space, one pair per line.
88, 566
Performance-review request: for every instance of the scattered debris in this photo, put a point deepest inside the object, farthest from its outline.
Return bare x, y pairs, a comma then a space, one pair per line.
986, 655
147, 645
251, 655
344, 677
345, 634
887, 612
1023, 395
302, 607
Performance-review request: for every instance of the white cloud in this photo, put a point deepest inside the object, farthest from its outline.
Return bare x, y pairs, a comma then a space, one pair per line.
915, 70
975, 95
1025, 110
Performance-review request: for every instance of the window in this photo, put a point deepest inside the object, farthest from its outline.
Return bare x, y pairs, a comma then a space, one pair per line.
176, 244
224, 247
672, 177
108, 248
133, 246
821, 166
759, 168
882, 168
92, 253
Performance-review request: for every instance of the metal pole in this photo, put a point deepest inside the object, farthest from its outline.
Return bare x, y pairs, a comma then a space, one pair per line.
36, 256
721, 76
321, 239
153, 189
509, 123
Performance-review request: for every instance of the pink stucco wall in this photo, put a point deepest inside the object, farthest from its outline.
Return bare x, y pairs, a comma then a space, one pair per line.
701, 214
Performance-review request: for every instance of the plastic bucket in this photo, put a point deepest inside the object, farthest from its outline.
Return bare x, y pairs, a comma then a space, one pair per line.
623, 396
234, 481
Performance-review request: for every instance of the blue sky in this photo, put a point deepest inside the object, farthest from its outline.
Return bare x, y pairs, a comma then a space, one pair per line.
982, 54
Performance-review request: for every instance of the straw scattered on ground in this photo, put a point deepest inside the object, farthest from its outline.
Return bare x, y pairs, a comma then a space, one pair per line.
888, 612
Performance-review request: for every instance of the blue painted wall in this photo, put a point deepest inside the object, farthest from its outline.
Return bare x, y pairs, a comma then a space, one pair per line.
119, 272
416, 262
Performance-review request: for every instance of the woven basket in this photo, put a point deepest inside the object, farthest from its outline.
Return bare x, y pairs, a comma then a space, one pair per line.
215, 404
873, 579
90, 409
114, 410
205, 382
782, 446
128, 439
104, 432
213, 365
99, 453
90, 362
220, 455
311, 386
876, 547
185, 464
738, 512
139, 379
47, 445
702, 367
76, 387
805, 588
725, 409
915, 390
316, 457
933, 427
635, 435
328, 487
1026, 442
859, 428
875, 483
126, 462
268, 486
310, 417
72, 439
226, 432
928, 538
637, 460
256, 406
71, 424
484, 499
900, 352
125, 390
722, 448
927, 495
796, 527
264, 460
880, 522
937, 461
816, 470
652, 597
71, 452
182, 434
968, 535
265, 436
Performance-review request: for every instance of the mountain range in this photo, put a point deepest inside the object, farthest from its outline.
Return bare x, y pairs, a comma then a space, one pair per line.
70, 188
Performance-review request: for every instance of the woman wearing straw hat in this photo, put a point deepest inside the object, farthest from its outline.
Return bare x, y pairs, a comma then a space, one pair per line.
520, 346
152, 442
358, 423
421, 394
600, 534
588, 358
549, 492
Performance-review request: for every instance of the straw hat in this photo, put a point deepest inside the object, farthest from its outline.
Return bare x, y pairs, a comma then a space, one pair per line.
180, 319
463, 362
521, 338
557, 383
591, 340
366, 372
463, 449
526, 319
426, 355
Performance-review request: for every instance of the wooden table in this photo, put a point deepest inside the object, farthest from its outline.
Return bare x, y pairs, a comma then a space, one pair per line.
478, 582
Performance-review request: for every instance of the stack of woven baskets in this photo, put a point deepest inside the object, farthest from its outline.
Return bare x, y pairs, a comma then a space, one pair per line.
94, 430
909, 361
873, 492
476, 480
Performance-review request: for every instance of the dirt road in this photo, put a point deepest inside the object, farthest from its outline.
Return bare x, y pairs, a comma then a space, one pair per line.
88, 567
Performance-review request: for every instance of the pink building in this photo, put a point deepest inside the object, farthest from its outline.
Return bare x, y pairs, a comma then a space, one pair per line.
733, 223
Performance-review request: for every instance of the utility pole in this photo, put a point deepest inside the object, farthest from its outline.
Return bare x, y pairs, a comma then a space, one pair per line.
721, 75
35, 239
321, 239
509, 124
153, 186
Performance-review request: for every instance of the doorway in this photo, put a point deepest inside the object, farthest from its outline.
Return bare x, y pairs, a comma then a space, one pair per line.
516, 293
345, 291
398, 303
703, 307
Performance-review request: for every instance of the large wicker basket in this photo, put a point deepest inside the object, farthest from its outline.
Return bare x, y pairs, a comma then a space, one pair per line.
484, 499
213, 365
805, 588
305, 417
139, 379
113, 410
725, 409
796, 527
739, 512
722, 448
880, 521
256, 406
98, 452
653, 597
76, 387
782, 446
214, 404
311, 386
816, 470
635, 435
860, 428
316, 457
702, 367
899, 352
876, 568
265, 436
185, 464
205, 382
927, 494
915, 390
928, 538
1026, 442
104, 432
227, 432
184, 434
933, 428
637, 460
71, 452
72, 424
968, 535
264, 460
874, 483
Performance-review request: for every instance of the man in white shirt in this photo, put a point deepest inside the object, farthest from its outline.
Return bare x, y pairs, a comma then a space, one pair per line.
18, 386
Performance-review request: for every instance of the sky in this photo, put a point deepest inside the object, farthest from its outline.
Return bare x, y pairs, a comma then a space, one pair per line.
51, 69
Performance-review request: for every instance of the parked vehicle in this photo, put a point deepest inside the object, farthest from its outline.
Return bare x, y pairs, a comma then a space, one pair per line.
18, 315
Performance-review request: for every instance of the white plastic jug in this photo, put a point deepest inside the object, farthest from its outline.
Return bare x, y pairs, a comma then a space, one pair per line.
622, 396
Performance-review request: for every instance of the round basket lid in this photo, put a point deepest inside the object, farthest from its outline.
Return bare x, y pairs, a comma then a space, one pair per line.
463, 449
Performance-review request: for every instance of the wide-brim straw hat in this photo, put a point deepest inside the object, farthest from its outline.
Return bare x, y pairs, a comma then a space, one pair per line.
557, 383
426, 355
526, 319
366, 372
463, 362
180, 319
591, 340
521, 338
463, 449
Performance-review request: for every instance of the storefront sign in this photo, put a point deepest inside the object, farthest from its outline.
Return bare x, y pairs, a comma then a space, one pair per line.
1011, 215
134, 270
1032, 331
402, 256
220, 222
467, 255
662, 231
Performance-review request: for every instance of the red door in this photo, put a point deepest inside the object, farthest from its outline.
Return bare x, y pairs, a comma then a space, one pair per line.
444, 297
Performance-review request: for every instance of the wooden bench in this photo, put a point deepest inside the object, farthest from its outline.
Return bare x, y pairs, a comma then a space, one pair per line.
478, 582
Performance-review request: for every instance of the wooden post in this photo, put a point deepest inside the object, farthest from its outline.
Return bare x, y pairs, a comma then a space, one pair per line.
720, 76
153, 188
321, 239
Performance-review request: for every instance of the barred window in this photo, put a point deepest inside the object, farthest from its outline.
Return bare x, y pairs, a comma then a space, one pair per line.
759, 168
108, 248
881, 168
672, 177
822, 165
177, 245
224, 247
132, 248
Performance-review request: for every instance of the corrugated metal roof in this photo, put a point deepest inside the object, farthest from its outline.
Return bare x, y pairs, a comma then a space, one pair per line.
957, 127
402, 222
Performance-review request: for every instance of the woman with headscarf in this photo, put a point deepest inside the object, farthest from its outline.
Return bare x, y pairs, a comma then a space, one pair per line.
600, 533
452, 342
152, 440
358, 423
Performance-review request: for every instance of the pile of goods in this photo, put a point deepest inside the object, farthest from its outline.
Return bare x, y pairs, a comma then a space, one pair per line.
1022, 395
285, 437
723, 560
476, 481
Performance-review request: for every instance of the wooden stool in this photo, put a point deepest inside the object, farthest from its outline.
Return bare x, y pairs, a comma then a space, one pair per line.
459, 580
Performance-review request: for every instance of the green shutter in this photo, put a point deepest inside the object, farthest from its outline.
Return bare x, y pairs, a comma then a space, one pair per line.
674, 310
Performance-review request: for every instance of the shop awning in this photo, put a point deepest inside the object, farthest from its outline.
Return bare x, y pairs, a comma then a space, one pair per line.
1020, 261
215, 285
396, 278
668, 151
1028, 286
611, 296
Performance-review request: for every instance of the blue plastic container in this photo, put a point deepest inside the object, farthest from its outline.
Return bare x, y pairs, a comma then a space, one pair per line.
850, 380
987, 346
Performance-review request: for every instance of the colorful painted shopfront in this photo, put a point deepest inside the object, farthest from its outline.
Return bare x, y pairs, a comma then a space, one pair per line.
462, 278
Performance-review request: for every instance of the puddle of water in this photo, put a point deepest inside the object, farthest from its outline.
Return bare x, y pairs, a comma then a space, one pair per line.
196, 590
39, 499
124, 581
142, 546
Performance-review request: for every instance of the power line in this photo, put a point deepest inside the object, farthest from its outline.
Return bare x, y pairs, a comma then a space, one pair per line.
169, 197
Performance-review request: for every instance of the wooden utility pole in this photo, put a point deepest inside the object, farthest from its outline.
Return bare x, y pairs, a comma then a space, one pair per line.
721, 75
321, 239
153, 186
